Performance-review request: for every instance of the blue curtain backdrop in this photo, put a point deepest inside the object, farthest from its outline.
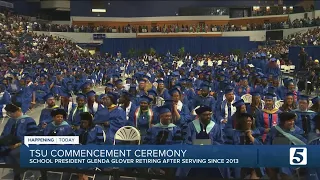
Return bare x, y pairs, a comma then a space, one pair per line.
313, 51
193, 45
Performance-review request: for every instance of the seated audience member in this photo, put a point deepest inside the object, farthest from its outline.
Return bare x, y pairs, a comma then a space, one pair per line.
164, 132
59, 126
247, 134
90, 133
12, 136
286, 133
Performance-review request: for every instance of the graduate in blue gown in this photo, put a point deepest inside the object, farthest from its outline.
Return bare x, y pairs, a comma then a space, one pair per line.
74, 116
4, 99
203, 128
45, 115
25, 96
230, 126
273, 68
126, 103
111, 117
224, 109
204, 99
164, 132
256, 105
90, 133
180, 111
246, 133
143, 117
41, 89
304, 116
161, 90
244, 87
58, 126
91, 102
315, 105
285, 133
18, 126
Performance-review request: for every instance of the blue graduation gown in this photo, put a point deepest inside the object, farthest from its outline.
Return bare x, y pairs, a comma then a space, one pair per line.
143, 121
74, 116
116, 119
297, 132
309, 115
172, 132
4, 99
63, 129
20, 127
243, 90
204, 101
164, 94
91, 136
41, 90
220, 110
24, 97
237, 136
57, 88
45, 117
195, 131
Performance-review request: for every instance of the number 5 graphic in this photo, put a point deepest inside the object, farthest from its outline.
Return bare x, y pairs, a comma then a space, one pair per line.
298, 156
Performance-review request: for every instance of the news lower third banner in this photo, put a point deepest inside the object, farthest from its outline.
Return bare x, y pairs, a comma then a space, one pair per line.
59, 152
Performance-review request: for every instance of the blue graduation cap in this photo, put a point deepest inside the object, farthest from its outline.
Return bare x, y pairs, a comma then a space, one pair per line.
269, 96
113, 95
116, 76
85, 85
315, 100
91, 93
228, 89
238, 103
263, 54
65, 94
273, 59
163, 109
126, 93
80, 95
128, 79
119, 81
109, 85
255, 93
271, 89
175, 73
47, 96
174, 90
289, 81
145, 98
146, 77
258, 55
243, 78
152, 92
289, 94
303, 97
142, 81
160, 81
205, 86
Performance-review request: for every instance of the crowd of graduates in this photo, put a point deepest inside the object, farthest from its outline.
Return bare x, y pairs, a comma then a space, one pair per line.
227, 103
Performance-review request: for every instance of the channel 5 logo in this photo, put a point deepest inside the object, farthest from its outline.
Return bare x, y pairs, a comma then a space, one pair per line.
298, 156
